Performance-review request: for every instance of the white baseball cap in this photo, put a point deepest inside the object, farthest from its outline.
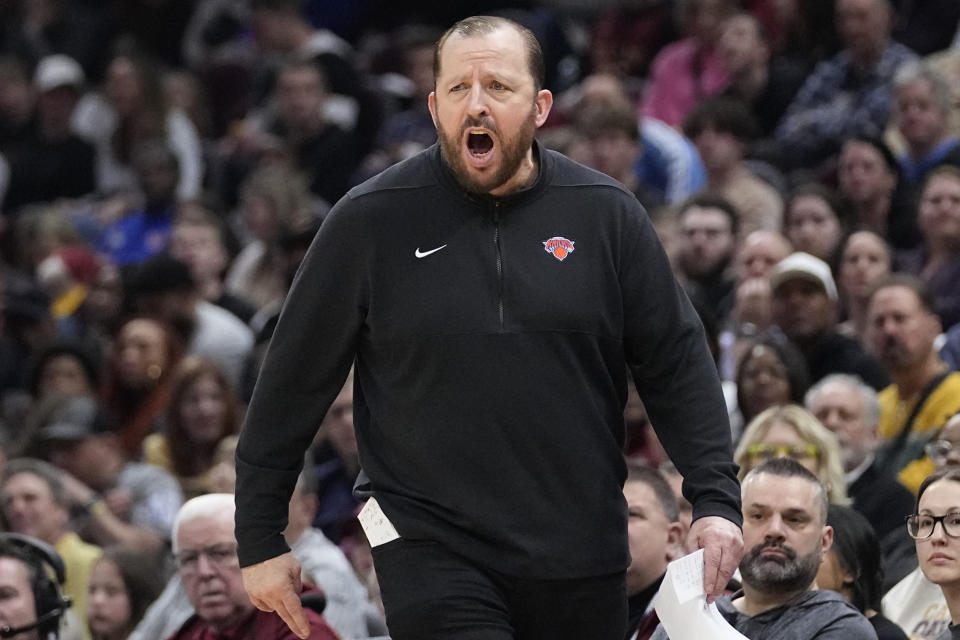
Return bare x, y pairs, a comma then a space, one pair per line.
800, 265
58, 71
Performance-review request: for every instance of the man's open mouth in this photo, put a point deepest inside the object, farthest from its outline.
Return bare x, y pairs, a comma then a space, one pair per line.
479, 143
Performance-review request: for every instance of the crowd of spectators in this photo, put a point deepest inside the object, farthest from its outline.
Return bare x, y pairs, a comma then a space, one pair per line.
164, 166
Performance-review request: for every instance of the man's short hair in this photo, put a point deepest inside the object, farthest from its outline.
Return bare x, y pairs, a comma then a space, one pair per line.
724, 115
787, 468
208, 505
643, 474
600, 118
919, 288
914, 70
706, 200
50, 475
868, 397
160, 274
483, 25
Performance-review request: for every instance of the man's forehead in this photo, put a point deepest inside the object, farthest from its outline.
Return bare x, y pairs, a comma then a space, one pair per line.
501, 44
781, 492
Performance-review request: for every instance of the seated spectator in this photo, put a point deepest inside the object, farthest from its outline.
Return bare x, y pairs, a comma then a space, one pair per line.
853, 568
273, 201
921, 115
63, 368
786, 536
870, 186
122, 586
864, 260
337, 461
201, 412
902, 332
937, 504
771, 373
34, 503
55, 163
708, 226
145, 232
199, 240
611, 133
813, 221
136, 386
163, 287
765, 81
31, 573
114, 501
689, 69
656, 538
849, 408
722, 129
206, 552
790, 431
937, 261
847, 94
804, 307
130, 112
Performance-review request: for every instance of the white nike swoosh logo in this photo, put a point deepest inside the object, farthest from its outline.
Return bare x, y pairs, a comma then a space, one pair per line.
424, 254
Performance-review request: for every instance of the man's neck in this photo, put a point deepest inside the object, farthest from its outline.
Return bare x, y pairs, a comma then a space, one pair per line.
526, 173
866, 61
751, 81
754, 602
873, 214
920, 151
911, 380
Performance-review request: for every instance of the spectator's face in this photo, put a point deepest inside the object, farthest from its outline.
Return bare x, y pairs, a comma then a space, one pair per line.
654, 540
944, 451
17, 605
200, 247
863, 174
706, 18
55, 108
719, 150
706, 240
29, 508
486, 110
813, 227
210, 570
939, 212
763, 380
122, 86
300, 95
783, 532
740, 46
759, 253
108, 604
64, 375
900, 331
919, 115
863, 25
95, 460
939, 555
865, 260
140, 353
839, 406
613, 153
802, 309
203, 411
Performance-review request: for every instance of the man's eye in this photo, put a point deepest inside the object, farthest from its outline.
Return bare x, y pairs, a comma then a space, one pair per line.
496, 86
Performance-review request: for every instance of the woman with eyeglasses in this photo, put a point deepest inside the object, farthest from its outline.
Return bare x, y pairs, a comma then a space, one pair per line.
936, 529
790, 431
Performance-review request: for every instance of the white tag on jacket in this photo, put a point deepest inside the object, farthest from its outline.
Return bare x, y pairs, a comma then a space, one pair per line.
375, 524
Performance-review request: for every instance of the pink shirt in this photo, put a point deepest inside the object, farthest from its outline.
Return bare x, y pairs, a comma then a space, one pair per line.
682, 75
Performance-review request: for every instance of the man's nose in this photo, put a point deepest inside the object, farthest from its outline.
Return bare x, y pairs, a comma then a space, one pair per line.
477, 104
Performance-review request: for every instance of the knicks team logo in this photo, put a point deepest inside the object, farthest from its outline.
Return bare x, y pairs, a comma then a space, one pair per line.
559, 247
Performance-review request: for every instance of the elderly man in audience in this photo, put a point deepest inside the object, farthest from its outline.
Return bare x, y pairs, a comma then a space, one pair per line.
206, 553
786, 535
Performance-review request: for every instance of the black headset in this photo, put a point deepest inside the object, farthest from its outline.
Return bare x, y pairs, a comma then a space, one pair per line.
40, 557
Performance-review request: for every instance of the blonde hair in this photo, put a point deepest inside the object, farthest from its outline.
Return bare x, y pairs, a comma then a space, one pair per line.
812, 431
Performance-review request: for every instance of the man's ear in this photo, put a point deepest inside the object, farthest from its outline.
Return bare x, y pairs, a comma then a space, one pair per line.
826, 540
432, 106
543, 103
676, 534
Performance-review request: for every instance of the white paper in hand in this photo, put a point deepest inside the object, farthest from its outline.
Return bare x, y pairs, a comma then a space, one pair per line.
681, 604
376, 525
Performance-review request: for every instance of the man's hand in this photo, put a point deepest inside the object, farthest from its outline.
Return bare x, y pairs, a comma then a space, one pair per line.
722, 544
274, 585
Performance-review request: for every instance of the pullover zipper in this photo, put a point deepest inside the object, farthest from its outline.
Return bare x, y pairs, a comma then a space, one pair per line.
496, 242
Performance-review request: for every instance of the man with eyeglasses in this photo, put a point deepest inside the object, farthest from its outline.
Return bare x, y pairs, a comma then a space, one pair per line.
206, 553
786, 536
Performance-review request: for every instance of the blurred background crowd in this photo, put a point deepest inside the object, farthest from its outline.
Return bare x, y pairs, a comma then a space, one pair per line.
164, 164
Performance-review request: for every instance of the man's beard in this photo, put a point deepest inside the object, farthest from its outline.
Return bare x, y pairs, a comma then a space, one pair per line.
512, 152
779, 575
